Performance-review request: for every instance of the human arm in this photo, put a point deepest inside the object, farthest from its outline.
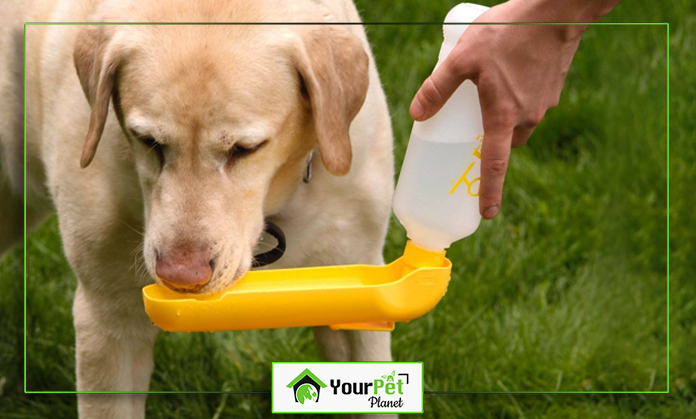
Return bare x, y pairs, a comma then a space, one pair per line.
519, 71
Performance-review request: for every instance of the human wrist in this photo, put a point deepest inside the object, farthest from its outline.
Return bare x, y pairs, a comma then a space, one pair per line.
561, 11
565, 11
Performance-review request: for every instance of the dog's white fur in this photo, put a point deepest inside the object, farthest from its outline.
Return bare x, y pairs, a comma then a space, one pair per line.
102, 208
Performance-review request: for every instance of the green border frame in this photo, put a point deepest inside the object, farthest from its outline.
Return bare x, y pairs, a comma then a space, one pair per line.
374, 412
665, 24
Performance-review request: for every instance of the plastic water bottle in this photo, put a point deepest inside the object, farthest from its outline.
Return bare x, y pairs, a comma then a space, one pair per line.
436, 197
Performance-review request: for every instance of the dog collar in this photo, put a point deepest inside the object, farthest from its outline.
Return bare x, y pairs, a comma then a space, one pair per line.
266, 258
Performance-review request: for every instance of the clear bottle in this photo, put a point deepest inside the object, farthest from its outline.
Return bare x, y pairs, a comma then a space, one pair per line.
436, 197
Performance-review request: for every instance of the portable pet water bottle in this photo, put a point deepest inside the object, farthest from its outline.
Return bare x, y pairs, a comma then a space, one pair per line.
436, 197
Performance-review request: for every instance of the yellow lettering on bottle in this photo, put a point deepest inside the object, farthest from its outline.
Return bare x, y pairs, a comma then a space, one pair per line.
477, 152
469, 183
463, 178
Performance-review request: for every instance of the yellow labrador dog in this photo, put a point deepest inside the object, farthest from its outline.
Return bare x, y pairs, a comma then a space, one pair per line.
194, 135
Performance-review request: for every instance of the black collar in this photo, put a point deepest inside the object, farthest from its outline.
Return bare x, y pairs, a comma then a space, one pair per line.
274, 254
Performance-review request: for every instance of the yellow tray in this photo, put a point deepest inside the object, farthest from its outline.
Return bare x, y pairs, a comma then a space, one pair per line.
358, 297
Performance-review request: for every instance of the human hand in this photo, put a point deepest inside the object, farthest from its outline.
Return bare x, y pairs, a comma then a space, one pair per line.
519, 71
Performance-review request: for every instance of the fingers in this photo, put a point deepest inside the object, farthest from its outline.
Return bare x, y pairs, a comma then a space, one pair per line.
495, 153
440, 86
520, 135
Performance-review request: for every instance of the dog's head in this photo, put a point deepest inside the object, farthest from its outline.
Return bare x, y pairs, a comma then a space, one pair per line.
220, 120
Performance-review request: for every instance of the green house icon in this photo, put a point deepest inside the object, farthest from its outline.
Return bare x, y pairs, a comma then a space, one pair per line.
306, 387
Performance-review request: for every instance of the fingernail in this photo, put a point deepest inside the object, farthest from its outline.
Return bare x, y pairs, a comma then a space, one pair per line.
417, 110
490, 212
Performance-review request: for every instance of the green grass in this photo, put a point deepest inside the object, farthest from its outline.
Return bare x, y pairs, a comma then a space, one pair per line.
565, 290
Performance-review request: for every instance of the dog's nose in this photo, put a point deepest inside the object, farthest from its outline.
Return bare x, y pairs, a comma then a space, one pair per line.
184, 269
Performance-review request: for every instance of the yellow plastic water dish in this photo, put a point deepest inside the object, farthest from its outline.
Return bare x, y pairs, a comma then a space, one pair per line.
358, 297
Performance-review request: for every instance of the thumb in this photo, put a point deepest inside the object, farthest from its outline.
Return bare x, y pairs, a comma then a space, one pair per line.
440, 86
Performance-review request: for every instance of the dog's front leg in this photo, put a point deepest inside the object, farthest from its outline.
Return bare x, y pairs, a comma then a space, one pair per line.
370, 346
353, 345
356, 346
114, 343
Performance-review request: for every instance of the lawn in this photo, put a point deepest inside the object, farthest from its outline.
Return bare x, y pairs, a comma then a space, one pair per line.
566, 290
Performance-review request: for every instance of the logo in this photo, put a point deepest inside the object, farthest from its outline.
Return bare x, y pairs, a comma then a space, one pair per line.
347, 387
306, 387
377, 389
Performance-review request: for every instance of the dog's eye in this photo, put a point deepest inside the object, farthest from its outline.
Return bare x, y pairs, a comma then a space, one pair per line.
149, 142
239, 151
153, 145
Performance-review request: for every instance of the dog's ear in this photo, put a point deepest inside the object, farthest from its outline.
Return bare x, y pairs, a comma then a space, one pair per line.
333, 65
96, 62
